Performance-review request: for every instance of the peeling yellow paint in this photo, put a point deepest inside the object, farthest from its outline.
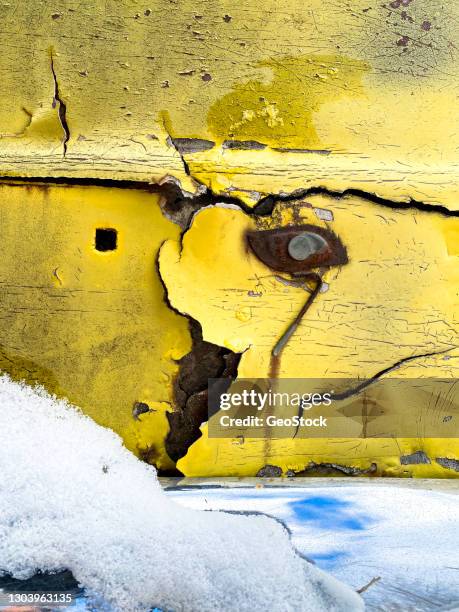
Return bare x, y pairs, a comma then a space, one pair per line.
350, 96
396, 298
280, 109
91, 326
398, 262
368, 87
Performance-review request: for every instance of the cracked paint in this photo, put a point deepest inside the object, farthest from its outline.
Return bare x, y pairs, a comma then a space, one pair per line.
80, 299
401, 267
61, 108
343, 107
376, 319
99, 332
339, 117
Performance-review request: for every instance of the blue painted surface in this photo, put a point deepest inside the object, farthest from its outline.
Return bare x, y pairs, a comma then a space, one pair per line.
328, 512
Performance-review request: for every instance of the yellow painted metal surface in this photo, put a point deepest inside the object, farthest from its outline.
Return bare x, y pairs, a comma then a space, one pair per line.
397, 298
399, 263
88, 325
358, 95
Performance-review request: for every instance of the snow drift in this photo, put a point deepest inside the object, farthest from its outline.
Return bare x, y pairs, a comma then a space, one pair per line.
72, 497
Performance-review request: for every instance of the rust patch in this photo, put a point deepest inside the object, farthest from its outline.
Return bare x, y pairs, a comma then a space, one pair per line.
294, 325
417, 458
140, 408
450, 464
271, 247
274, 366
403, 41
204, 361
333, 469
269, 471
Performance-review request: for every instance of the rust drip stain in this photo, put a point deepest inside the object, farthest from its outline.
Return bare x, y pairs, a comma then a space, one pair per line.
280, 344
295, 250
274, 366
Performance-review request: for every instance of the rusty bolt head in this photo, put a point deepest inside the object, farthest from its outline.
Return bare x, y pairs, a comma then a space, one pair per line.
298, 249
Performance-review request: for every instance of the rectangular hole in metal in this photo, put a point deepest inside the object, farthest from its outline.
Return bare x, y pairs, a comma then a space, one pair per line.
106, 239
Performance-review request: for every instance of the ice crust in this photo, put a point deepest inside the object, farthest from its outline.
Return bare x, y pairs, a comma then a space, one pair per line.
73, 497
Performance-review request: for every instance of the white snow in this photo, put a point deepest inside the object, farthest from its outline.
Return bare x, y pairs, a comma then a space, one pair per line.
407, 536
72, 497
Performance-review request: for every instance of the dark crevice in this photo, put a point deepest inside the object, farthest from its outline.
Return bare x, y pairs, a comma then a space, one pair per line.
45, 181
180, 207
333, 469
192, 145
176, 198
171, 142
266, 205
204, 361
366, 383
61, 109
370, 381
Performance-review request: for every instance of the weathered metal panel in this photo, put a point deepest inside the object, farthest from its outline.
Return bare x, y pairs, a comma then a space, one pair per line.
339, 115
